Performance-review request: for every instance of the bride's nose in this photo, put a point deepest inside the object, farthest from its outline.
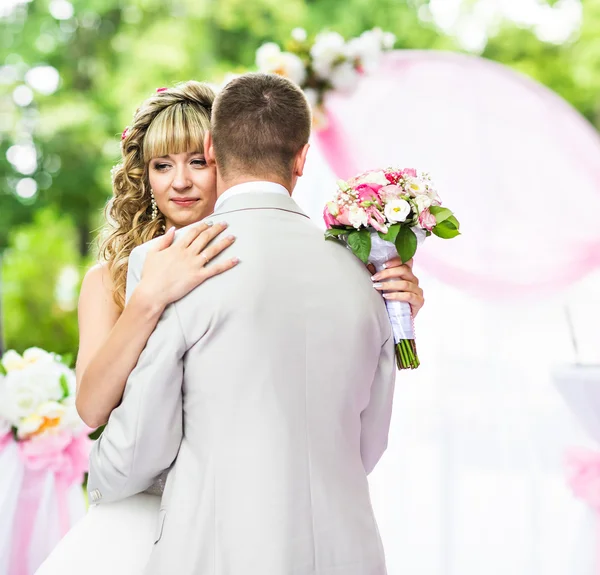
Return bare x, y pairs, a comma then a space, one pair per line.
181, 181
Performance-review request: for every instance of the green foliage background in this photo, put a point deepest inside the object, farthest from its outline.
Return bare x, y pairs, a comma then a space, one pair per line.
111, 54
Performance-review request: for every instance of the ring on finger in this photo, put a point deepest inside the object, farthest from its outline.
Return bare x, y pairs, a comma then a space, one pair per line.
206, 258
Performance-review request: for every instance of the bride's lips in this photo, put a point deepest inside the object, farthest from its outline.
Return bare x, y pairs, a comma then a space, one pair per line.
184, 202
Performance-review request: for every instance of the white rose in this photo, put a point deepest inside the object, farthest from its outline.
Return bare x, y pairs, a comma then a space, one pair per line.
357, 217
12, 361
299, 34
266, 54
367, 49
29, 425
374, 177
328, 48
397, 210
422, 201
51, 410
35, 354
293, 68
344, 77
285, 64
21, 396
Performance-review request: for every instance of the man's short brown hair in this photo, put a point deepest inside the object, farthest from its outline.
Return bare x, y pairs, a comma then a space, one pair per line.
259, 123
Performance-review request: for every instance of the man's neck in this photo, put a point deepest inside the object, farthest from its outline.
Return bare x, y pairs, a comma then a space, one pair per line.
224, 185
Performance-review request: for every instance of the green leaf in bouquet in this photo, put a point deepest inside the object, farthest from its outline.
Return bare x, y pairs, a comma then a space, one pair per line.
335, 232
360, 244
446, 230
64, 384
441, 214
3, 369
392, 233
454, 221
406, 243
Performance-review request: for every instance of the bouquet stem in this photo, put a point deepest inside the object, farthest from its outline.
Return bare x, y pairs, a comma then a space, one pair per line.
406, 354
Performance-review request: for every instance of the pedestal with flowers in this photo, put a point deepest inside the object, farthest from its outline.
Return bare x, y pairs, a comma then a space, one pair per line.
44, 448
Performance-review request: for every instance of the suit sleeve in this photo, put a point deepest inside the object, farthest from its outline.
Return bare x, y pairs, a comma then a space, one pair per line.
376, 417
143, 434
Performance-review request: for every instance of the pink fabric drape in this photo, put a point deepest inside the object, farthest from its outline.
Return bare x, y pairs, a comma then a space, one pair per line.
516, 163
53, 464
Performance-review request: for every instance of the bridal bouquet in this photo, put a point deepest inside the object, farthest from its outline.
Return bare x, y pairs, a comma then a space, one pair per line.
37, 410
384, 213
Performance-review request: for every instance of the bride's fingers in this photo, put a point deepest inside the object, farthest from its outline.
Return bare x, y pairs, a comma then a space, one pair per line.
219, 267
164, 241
398, 286
191, 234
414, 300
215, 248
207, 236
401, 272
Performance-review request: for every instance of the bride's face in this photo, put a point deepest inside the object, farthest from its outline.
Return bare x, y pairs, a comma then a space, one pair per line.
184, 186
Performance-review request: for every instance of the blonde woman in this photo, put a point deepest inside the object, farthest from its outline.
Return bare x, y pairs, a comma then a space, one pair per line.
163, 183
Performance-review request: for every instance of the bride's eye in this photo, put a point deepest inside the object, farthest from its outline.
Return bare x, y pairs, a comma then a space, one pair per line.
161, 167
199, 162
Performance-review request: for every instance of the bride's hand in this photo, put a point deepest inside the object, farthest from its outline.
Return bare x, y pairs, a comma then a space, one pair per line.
397, 282
172, 270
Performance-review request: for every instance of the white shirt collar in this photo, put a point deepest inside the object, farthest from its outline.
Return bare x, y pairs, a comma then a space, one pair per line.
251, 188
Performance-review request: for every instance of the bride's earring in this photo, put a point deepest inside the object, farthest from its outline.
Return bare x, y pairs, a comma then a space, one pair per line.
154, 206
155, 210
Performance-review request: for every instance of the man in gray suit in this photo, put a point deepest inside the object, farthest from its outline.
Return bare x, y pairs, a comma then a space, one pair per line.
269, 399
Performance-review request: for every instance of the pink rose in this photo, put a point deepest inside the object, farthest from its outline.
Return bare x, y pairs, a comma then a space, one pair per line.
369, 193
343, 217
330, 221
409, 172
427, 220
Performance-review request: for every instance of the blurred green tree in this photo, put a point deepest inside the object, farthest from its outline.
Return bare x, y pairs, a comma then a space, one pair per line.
41, 272
73, 71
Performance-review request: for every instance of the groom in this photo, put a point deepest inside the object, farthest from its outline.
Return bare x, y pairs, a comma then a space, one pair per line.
270, 396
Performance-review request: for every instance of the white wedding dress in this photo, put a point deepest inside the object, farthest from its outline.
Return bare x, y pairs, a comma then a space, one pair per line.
112, 539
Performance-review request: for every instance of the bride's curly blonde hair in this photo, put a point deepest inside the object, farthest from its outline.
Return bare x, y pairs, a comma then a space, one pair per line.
172, 121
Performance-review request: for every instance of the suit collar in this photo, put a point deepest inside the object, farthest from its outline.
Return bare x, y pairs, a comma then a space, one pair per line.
258, 201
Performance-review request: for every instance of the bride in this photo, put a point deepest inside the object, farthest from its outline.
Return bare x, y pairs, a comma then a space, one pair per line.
162, 183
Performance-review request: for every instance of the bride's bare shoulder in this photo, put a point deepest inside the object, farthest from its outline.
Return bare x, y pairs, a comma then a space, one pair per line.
97, 284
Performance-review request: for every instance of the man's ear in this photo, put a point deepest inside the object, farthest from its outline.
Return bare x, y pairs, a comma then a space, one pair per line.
209, 151
300, 161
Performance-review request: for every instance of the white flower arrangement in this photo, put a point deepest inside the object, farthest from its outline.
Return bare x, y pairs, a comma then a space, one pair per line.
37, 392
326, 63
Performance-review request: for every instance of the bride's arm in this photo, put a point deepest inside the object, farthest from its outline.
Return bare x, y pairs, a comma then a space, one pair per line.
111, 342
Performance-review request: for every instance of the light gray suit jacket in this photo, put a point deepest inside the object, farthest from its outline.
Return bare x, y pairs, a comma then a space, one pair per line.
268, 389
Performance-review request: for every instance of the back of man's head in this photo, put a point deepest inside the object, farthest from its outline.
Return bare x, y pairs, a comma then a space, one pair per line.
259, 123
